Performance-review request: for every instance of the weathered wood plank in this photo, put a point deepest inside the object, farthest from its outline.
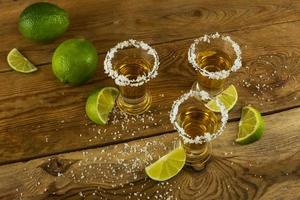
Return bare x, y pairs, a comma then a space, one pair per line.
40, 116
107, 22
266, 169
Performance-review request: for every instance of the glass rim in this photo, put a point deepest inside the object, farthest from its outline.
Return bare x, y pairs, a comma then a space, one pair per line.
121, 80
207, 136
219, 74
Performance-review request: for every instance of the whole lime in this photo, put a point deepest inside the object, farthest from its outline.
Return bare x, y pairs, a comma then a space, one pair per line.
74, 61
42, 22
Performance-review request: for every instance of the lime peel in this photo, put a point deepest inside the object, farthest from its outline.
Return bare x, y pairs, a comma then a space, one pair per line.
75, 61
43, 22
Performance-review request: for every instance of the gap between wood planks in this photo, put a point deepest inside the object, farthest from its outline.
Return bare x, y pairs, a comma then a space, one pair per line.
251, 171
255, 27
131, 139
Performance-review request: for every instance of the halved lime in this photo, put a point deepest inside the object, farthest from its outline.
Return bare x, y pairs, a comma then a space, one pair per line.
167, 166
251, 126
19, 63
100, 103
228, 97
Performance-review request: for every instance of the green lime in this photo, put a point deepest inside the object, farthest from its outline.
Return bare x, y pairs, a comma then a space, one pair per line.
42, 22
75, 61
228, 97
167, 166
251, 126
19, 63
100, 103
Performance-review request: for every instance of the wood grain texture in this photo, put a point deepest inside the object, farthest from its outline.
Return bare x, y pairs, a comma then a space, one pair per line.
40, 116
266, 169
110, 21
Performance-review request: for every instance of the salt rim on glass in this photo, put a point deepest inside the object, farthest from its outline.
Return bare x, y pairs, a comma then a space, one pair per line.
207, 136
220, 74
122, 80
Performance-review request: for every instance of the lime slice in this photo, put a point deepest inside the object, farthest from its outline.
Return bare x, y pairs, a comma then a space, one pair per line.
19, 63
251, 126
100, 103
228, 97
167, 166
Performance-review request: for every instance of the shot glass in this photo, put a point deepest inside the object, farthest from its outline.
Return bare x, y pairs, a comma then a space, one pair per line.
214, 57
197, 126
132, 64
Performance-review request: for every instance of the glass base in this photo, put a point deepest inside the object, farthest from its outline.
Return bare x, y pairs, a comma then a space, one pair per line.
198, 159
135, 106
212, 92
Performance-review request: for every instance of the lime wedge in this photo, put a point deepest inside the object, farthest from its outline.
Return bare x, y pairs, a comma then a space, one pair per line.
228, 97
251, 126
167, 166
19, 63
100, 103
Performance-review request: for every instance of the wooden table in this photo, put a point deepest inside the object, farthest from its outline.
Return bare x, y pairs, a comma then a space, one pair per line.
50, 150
